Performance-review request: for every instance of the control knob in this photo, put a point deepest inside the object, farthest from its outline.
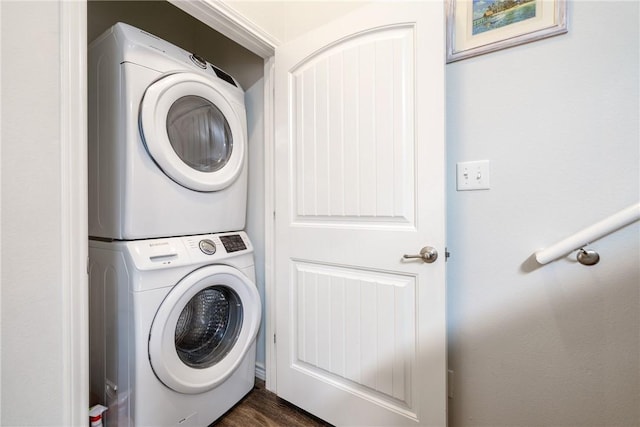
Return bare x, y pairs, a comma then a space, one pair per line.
207, 246
199, 61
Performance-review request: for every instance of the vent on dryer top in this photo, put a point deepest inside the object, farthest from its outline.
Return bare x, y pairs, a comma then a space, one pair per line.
224, 76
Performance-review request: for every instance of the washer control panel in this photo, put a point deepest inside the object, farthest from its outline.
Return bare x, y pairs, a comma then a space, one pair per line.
175, 251
233, 243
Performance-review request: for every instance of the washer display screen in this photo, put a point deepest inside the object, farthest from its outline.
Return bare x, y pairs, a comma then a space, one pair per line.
233, 243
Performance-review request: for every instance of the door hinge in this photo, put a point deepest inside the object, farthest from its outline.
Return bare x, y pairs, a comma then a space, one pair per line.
447, 254
274, 338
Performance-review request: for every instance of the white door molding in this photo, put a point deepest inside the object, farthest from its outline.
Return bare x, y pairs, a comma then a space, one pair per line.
227, 21
74, 216
269, 223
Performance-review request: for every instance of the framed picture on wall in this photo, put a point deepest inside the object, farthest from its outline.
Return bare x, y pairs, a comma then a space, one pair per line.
476, 27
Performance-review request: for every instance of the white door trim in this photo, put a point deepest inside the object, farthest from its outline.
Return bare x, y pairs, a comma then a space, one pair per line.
0, 222
73, 239
269, 224
227, 21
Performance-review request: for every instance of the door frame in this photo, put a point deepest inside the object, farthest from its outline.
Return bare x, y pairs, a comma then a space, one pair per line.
74, 249
74, 139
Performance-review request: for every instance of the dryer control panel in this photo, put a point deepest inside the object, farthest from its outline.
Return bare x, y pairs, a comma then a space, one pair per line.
135, 40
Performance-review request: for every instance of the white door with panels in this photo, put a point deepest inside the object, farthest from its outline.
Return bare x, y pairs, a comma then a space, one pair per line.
359, 176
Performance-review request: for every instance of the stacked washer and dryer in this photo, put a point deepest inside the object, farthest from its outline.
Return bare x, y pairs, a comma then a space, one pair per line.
174, 310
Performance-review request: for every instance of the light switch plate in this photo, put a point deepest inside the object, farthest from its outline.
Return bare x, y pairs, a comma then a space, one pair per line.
473, 175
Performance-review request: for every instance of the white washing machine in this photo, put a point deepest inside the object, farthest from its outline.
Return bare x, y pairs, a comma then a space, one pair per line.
173, 326
167, 140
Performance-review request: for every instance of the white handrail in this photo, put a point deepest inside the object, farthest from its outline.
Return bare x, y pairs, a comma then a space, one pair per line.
589, 234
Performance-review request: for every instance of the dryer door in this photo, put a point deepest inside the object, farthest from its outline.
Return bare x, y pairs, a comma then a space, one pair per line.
204, 328
192, 132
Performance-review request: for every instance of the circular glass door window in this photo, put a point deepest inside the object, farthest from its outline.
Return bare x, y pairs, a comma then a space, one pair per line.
208, 327
199, 133
193, 131
204, 328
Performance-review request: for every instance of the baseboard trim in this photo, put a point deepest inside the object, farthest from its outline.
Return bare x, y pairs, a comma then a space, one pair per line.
261, 372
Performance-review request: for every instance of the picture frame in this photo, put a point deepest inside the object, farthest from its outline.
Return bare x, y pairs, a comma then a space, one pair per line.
476, 27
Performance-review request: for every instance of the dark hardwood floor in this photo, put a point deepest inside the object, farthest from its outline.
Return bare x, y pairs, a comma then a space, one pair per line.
263, 408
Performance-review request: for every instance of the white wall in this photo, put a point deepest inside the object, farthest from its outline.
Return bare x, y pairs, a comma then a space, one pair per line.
558, 345
33, 357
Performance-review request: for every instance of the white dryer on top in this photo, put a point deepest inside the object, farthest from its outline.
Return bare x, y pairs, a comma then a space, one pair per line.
167, 140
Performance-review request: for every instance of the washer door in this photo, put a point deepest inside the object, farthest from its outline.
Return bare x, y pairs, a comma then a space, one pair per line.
192, 132
203, 329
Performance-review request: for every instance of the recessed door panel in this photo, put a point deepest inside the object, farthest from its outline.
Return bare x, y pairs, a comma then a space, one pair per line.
352, 116
356, 329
